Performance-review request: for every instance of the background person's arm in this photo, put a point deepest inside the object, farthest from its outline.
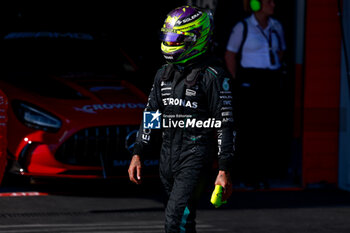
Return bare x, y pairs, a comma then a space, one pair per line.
231, 63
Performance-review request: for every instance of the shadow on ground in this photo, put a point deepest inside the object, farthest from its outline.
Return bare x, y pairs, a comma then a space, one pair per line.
152, 189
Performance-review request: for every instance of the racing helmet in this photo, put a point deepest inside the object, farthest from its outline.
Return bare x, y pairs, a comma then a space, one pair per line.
186, 34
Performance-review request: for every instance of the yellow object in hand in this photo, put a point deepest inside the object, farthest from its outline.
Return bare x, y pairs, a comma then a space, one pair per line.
216, 197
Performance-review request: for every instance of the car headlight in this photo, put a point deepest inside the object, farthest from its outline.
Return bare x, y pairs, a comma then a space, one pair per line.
34, 117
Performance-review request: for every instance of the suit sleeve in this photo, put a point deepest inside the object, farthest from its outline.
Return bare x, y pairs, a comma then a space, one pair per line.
145, 137
221, 107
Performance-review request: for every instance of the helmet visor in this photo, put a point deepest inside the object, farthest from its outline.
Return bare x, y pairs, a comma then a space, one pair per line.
169, 35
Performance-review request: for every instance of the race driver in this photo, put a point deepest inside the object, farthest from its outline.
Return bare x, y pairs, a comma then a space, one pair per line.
192, 87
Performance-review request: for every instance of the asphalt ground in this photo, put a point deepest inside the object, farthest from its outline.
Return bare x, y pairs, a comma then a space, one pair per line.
87, 206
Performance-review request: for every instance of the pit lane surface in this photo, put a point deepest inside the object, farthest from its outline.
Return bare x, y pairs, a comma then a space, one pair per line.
114, 207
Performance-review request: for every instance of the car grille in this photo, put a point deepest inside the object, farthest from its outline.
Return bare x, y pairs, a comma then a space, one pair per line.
98, 146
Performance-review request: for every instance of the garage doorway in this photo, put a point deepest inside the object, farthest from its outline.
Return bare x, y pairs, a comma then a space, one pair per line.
285, 169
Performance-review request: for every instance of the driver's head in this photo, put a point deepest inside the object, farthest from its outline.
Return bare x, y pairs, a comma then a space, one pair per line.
186, 34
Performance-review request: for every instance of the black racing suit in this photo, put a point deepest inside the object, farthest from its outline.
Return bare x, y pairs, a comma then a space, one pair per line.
202, 92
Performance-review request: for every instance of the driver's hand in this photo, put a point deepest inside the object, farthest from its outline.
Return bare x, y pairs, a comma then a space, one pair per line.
224, 179
135, 169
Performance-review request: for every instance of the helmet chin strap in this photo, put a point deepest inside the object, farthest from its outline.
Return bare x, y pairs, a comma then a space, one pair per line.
191, 63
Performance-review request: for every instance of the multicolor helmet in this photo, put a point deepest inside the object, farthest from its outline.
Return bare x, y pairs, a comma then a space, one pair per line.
186, 34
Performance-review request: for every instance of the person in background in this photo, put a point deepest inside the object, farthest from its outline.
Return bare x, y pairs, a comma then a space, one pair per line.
254, 54
191, 86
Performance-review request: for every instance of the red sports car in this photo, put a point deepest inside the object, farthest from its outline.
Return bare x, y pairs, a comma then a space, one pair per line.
80, 125
84, 126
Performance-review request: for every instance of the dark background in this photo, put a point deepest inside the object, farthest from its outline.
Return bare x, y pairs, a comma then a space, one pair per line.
130, 26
